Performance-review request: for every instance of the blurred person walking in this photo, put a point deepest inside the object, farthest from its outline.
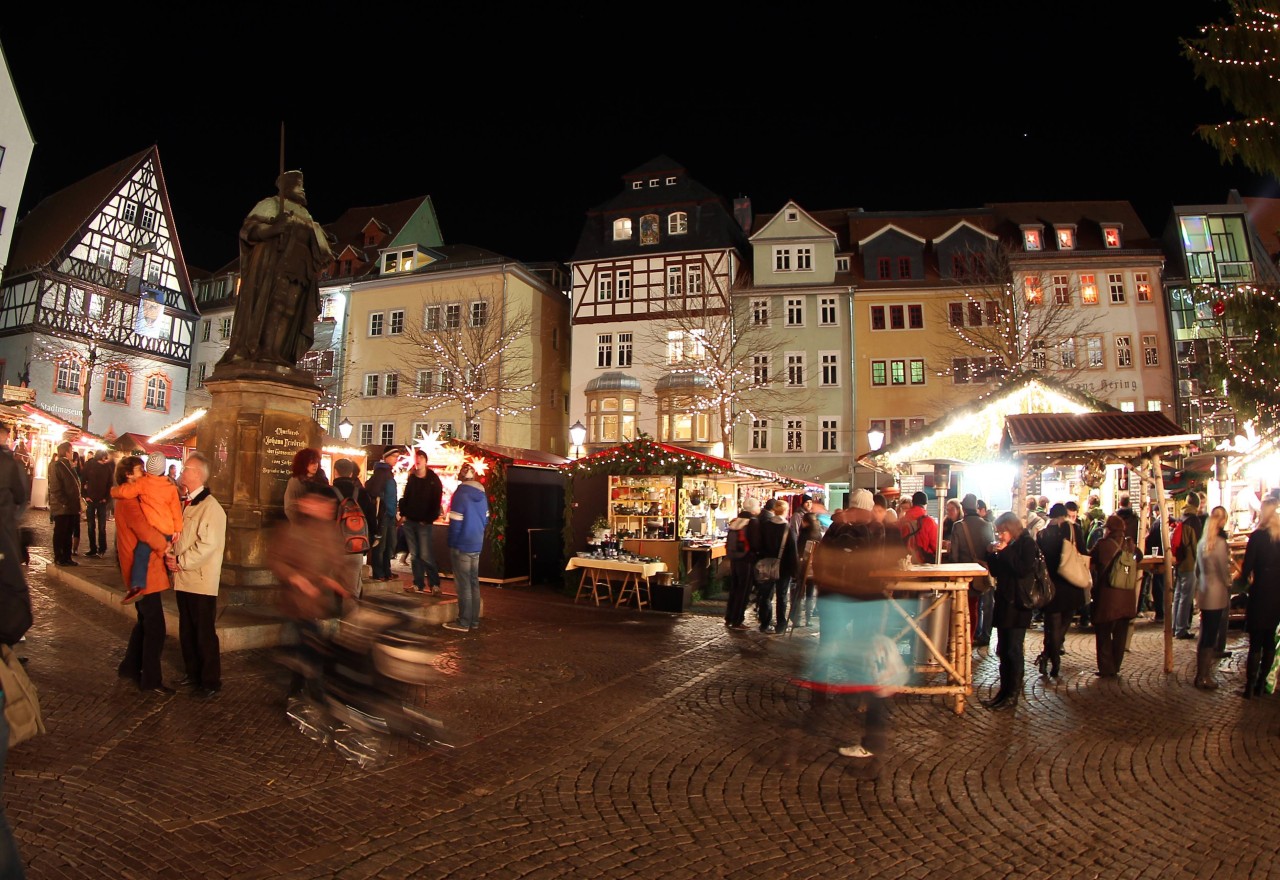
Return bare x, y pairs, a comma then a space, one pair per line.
304, 469
1213, 594
1261, 572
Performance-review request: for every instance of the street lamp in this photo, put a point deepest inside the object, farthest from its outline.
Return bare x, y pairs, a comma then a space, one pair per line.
875, 439
344, 429
577, 435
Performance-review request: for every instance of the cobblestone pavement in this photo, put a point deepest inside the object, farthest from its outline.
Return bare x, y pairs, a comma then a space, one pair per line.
603, 743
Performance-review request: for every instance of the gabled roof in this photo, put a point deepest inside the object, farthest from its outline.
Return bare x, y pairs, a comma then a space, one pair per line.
1089, 432
780, 218
891, 227
48, 229
965, 224
1087, 216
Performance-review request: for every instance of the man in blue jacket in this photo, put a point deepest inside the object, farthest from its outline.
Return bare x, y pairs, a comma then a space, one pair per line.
468, 516
382, 488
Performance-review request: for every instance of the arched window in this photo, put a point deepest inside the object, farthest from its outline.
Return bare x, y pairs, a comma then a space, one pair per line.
116, 385
67, 380
677, 223
622, 229
158, 393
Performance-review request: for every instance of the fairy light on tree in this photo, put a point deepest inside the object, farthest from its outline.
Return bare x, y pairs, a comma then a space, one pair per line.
92, 361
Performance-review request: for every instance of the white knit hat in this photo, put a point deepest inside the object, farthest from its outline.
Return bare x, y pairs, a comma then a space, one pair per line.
155, 464
861, 500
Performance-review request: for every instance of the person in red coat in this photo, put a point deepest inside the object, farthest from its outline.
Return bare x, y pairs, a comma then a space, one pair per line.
919, 530
142, 656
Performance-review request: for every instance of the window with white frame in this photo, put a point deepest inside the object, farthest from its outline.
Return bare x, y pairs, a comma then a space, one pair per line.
622, 228
795, 312
830, 364
794, 431
130, 211
759, 435
829, 431
67, 379
677, 223
224, 328
804, 259
624, 284
445, 430
637, 184
675, 346
366, 433
148, 219
675, 282
1124, 351
417, 429
624, 349
391, 384
1111, 236
372, 384
1066, 237
424, 385
1031, 239
1039, 357
1093, 345
694, 280
781, 259
387, 433
1067, 354
206, 327
1115, 284
760, 312
479, 313
827, 311
431, 318
395, 322
604, 287
842, 264
376, 321
795, 368
604, 350
453, 316
760, 369
203, 371
1142, 284
157, 393
1155, 405
1150, 353
671, 181
696, 350
116, 386
444, 380
1062, 290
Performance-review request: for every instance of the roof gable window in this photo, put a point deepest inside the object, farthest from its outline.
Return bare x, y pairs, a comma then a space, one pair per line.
622, 229
1111, 235
1031, 240
1066, 237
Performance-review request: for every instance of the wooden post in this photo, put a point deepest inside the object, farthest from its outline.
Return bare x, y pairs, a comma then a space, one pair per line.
1168, 565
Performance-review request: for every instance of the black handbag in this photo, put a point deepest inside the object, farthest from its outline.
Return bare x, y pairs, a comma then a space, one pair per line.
769, 570
1035, 590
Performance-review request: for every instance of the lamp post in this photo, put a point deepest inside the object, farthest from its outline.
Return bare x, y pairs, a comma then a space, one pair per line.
344, 430
875, 439
577, 436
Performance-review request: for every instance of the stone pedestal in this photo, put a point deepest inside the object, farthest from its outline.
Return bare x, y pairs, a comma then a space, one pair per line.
252, 431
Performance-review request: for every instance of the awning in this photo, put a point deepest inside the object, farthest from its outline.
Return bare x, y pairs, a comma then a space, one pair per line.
645, 455
130, 442
74, 433
1089, 434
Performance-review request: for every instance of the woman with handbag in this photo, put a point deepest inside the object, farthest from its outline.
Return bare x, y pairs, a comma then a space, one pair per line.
1067, 597
1261, 570
1213, 594
774, 566
1011, 559
1114, 609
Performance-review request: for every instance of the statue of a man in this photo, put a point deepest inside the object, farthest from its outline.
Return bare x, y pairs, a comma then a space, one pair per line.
282, 252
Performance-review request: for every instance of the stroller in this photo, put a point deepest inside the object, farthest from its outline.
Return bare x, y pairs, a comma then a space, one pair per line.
359, 678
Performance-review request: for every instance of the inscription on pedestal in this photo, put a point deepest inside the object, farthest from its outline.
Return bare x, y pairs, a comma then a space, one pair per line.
279, 445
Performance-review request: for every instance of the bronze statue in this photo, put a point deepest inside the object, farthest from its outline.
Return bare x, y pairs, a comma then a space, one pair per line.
282, 253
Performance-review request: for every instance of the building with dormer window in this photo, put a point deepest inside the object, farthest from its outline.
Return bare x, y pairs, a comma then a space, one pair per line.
664, 247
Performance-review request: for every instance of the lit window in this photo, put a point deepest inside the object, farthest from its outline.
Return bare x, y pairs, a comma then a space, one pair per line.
697, 345
759, 435
157, 392
795, 312
624, 284
1034, 290
795, 368
1088, 290
1142, 283
917, 371
622, 226
760, 312
827, 311
479, 313
1039, 358
375, 323
1061, 290
879, 373
795, 435
671, 181
830, 363
1126, 406
604, 287
782, 259
830, 433
1066, 238
397, 323
1111, 236
675, 346
1115, 285
1031, 239
406, 261
389, 263
677, 223
804, 259
897, 372
1150, 354
1094, 347
1067, 355
1155, 406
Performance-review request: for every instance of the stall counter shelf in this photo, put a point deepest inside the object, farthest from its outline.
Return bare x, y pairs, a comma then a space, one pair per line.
666, 550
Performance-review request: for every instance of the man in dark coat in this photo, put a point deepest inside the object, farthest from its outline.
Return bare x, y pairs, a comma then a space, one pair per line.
383, 490
15, 600
1010, 560
99, 474
419, 509
970, 539
1067, 597
64, 504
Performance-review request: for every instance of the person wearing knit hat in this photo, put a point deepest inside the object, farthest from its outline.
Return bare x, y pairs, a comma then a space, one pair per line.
162, 509
861, 499
1067, 597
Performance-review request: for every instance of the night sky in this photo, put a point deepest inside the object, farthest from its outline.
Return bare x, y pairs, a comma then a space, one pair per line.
517, 122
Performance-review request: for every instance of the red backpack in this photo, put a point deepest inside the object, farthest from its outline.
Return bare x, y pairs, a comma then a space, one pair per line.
352, 524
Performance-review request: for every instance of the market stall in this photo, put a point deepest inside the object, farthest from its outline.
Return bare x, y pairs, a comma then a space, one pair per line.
36, 435
661, 501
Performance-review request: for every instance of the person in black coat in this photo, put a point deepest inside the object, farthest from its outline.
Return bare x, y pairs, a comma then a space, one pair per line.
1010, 560
1067, 597
775, 537
1261, 571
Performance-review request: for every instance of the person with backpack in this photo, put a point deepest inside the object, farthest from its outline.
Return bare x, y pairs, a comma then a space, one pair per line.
1184, 541
741, 536
1114, 608
1213, 594
356, 513
919, 531
1011, 560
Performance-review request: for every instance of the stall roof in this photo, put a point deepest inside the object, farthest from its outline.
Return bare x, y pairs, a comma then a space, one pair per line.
712, 464
137, 441
514, 455
30, 409
1091, 432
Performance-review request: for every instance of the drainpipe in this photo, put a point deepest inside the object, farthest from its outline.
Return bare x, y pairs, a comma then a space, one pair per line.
853, 408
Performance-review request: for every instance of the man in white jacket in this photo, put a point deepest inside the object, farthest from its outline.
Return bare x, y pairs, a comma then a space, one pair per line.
197, 567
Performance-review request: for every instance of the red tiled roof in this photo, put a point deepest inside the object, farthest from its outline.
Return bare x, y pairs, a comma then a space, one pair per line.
1108, 429
48, 227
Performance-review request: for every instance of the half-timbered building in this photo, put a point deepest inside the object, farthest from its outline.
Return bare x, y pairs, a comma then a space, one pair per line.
16, 142
98, 314
650, 264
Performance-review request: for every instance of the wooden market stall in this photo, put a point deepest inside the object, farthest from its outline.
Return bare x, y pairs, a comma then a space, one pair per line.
1091, 442
36, 435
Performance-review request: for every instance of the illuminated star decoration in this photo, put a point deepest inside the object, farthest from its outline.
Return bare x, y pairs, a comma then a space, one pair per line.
479, 465
430, 443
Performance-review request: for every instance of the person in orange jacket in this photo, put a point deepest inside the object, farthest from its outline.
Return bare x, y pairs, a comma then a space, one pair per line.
163, 508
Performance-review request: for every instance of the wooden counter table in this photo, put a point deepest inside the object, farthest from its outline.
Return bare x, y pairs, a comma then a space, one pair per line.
955, 657
596, 574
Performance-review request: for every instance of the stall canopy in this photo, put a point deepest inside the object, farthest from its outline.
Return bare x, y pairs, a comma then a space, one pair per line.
136, 443
645, 455
48, 421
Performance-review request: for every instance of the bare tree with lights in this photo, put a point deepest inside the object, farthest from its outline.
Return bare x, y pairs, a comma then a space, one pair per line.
736, 360
94, 358
474, 358
1014, 318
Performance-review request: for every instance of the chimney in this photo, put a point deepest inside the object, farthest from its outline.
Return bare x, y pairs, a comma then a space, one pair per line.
742, 213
